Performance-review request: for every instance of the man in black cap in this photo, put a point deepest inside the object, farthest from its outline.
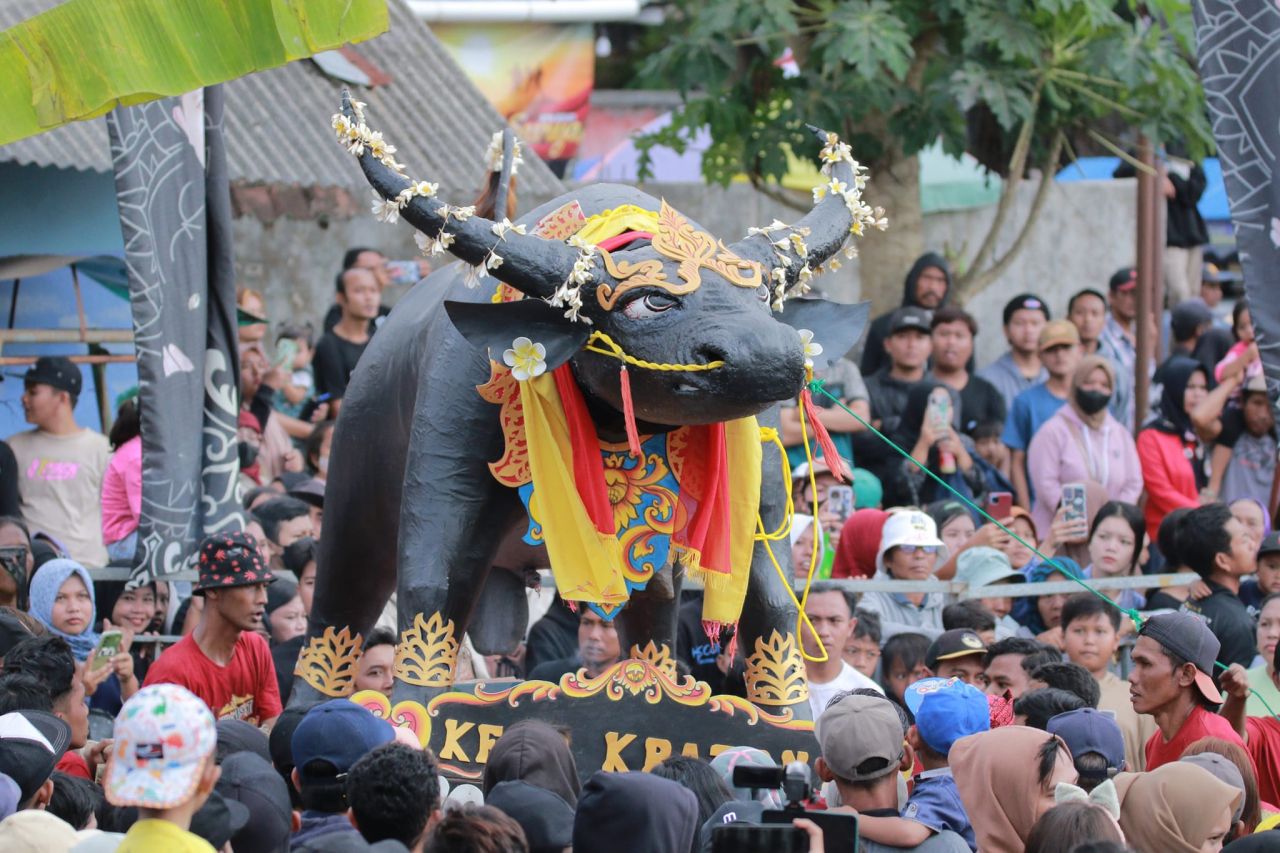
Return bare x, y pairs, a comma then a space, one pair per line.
908, 346
1119, 341
1024, 317
958, 653
224, 660
60, 464
251, 781
1172, 680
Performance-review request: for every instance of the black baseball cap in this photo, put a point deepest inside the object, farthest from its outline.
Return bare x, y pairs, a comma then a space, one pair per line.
910, 317
57, 372
248, 780
31, 744
1187, 317
218, 820
1125, 278
1270, 544
1025, 302
1188, 637
956, 643
1090, 730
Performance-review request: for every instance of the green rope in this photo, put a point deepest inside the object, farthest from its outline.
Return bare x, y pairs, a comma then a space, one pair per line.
816, 386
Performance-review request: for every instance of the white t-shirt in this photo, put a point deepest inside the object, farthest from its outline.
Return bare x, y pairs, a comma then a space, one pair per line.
848, 679
60, 482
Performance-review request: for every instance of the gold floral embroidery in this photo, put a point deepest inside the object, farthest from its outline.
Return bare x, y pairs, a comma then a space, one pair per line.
775, 672
428, 653
328, 662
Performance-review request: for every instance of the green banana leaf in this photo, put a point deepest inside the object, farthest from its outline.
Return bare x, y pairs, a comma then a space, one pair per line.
85, 57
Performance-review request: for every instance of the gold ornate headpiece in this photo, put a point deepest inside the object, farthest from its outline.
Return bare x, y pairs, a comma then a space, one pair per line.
677, 239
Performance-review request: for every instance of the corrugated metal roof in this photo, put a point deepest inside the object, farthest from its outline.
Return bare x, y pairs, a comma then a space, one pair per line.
278, 120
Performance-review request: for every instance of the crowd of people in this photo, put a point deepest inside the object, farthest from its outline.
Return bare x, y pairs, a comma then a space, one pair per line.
1140, 718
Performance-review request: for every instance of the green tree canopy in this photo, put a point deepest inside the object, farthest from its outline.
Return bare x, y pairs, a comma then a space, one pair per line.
1019, 84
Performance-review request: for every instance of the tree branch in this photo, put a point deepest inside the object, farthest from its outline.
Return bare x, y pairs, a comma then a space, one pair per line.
1017, 168
976, 279
778, 195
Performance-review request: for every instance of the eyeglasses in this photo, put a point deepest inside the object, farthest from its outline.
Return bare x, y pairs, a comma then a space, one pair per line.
911, 549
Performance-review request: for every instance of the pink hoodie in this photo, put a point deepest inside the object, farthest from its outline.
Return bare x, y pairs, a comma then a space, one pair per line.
1066, 450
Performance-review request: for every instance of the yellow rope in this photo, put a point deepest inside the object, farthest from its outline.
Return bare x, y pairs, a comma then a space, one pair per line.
768, 434
615, 351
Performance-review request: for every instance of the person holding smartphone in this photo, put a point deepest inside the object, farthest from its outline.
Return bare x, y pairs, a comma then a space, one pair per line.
928, 429
1083, 442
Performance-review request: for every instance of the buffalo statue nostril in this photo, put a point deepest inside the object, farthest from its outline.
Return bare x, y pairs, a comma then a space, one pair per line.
709, 354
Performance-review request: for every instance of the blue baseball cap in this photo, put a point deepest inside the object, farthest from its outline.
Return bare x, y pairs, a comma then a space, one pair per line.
1091, 730
947, 709
338, 731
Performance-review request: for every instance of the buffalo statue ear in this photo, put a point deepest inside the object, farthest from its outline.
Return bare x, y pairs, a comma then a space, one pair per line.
835, 326
491, 328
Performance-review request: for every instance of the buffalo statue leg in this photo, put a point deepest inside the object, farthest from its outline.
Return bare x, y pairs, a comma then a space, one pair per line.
768, 641
647, 625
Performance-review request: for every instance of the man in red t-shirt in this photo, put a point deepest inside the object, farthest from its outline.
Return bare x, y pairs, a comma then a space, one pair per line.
224, 661
1172, 681
1261, 734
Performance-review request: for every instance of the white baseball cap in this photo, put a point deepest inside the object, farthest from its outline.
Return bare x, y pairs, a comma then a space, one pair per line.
908, 527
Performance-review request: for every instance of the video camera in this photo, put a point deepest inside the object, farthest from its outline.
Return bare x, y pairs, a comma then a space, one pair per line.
775, 832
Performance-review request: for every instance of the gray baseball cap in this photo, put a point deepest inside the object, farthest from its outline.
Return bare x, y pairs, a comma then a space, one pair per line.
856, 729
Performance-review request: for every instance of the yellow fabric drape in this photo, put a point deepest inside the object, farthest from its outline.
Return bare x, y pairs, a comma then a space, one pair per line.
587, 564
722, 601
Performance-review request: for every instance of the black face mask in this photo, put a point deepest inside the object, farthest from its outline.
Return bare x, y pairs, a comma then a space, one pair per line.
1092, 402
248, 454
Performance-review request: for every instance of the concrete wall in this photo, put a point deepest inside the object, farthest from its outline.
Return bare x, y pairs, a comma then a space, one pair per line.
1086, 231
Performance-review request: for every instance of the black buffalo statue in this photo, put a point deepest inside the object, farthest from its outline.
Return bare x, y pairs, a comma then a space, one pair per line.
411, 504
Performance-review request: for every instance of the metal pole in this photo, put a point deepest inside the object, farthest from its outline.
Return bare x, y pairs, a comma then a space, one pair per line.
1148, 251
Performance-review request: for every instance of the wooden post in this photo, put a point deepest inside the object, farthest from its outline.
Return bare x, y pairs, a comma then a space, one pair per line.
1149, 256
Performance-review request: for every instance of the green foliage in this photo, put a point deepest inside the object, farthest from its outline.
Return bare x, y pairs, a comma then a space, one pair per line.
892, 77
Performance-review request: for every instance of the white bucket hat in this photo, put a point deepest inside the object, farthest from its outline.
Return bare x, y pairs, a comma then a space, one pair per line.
908, 527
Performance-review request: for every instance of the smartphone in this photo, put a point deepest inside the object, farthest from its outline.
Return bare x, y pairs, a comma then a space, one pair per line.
840, 501
939, 415
1073, 498
286, 352
108, 647
403, 272
1000, 505
314, 403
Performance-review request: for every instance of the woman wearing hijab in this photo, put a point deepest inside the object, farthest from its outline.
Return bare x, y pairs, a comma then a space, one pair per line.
1176, 808
1082, 443
1006, 778
859, 543
1170, 452
62, 600
946, 452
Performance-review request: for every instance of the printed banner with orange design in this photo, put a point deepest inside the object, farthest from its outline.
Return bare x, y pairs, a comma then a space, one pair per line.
539, 76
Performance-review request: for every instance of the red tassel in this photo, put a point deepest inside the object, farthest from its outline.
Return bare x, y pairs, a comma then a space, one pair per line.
829, 453
629, 414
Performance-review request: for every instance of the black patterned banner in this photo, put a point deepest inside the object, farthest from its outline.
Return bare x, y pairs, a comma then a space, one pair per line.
1239, 48
171, 188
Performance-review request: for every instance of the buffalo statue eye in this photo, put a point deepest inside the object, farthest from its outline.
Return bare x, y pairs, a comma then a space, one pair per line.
649, 305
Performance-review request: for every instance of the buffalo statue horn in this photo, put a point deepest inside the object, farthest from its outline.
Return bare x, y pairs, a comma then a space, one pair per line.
533, 265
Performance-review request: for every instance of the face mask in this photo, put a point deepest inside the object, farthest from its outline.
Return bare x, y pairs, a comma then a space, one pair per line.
248, 454
1092, 402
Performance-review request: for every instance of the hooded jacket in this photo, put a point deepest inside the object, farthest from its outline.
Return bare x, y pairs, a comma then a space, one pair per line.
531, 751
873, 355
635, 813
